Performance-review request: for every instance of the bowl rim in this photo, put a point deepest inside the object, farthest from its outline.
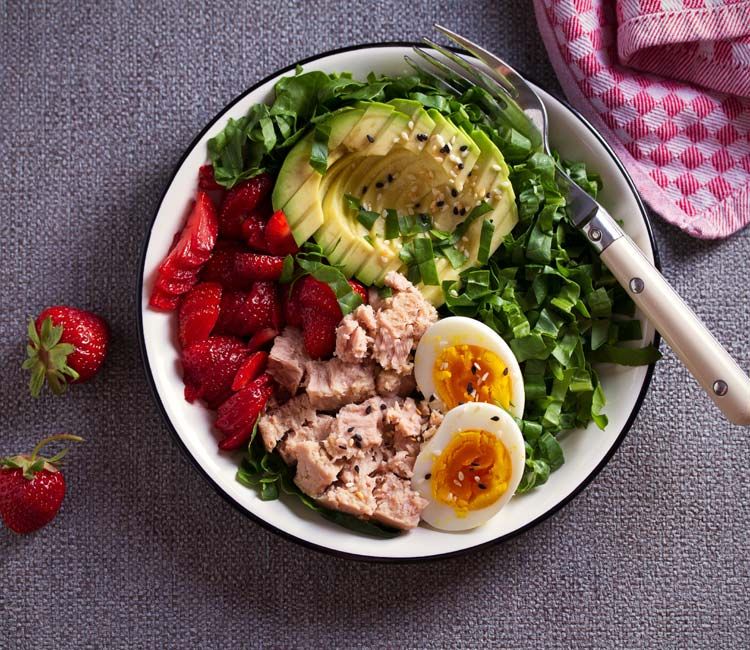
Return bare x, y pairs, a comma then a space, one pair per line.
268, 525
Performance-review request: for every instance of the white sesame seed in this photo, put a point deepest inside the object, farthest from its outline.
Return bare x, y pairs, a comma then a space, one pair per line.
404, 135
453, 139
477, 479
411, 124
378, 196
440, 139
395, 140
460, 476
455, 482
464, 153
485, 375
496, 168
438, 159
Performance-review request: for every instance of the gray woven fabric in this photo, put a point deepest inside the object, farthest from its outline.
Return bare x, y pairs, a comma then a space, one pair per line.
97, 105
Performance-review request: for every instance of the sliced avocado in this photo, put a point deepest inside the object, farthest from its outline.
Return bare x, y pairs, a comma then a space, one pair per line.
296, 167
371, 123
393, 169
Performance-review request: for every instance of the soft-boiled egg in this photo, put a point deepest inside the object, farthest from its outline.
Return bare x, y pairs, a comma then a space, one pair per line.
461, 360
471, 467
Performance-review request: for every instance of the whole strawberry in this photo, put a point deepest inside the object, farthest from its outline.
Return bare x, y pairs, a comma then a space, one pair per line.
65, 345
32, 487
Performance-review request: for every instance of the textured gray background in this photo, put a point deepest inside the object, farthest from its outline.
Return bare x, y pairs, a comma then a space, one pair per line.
97, 105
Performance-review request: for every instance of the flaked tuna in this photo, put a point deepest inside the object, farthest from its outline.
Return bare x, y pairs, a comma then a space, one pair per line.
288, 359
315, 470
398, 505
401, 319
335, 383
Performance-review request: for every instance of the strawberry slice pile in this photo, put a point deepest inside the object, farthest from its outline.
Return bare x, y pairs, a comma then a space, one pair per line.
222, 275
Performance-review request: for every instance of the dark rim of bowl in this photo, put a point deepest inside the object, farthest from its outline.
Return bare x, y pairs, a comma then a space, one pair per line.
298, 540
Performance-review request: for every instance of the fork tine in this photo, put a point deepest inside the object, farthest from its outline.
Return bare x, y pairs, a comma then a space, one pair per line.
495, 63
493, 102
440, 81
491, 82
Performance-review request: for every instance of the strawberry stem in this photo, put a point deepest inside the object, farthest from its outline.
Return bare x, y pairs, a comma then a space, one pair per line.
50, 439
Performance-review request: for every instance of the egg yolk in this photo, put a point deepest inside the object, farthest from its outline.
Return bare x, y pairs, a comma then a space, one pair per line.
472, 472
468, 373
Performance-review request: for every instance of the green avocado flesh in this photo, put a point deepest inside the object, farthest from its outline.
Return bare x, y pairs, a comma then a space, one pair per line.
396, 156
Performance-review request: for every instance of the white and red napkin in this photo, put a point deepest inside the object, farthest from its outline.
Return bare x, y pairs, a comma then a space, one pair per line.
667, 82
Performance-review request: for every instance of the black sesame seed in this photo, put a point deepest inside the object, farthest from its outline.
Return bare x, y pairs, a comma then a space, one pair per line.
495, 418
416, 205
464, 147
473, 370
350, 429
463, 212
383, 407
487, 196
445, 149
379, 184
368, 410
364, 189
460, 165
454, 192
475, 464
370, 138
356, 468
469, 174
455, 210
505, 372
358, 444
470, 388
440, 204
342, 446
357, 437
427, 476
421, 137
481, 486
390, 178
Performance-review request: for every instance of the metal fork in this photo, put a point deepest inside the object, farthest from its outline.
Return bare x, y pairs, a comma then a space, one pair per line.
513, 101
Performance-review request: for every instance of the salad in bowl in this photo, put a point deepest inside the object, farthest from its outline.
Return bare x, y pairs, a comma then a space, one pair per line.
378, 294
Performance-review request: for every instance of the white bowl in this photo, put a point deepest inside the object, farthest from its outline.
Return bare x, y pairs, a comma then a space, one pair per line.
586, 450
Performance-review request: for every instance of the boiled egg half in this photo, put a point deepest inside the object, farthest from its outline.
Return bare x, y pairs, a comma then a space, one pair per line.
471, 467
460, 360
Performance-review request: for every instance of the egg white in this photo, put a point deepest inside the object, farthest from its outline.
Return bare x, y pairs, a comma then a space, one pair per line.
459, 330
468, 417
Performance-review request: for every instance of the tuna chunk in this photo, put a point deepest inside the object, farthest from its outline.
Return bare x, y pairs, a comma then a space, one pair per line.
358, 427
292, 416
354, 335
397, 504
316, 431
333, 384
354, 497
389, 384
405, 419
401, 321
315, 470
288, 358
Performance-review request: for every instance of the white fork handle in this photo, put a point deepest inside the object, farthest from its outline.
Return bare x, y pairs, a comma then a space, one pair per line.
705, 358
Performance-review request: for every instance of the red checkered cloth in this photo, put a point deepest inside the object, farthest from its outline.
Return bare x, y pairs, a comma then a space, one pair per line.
667, 82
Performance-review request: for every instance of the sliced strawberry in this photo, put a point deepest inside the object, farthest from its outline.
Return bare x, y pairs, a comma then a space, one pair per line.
179, 270
254, 232
237, 269
291, 305
279, 235
359, 288
317, 294
319, 332
250, 369
206, 180
199, 312
261, 338
245, 312
209, 367
161, 300
241, 200
237, 416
